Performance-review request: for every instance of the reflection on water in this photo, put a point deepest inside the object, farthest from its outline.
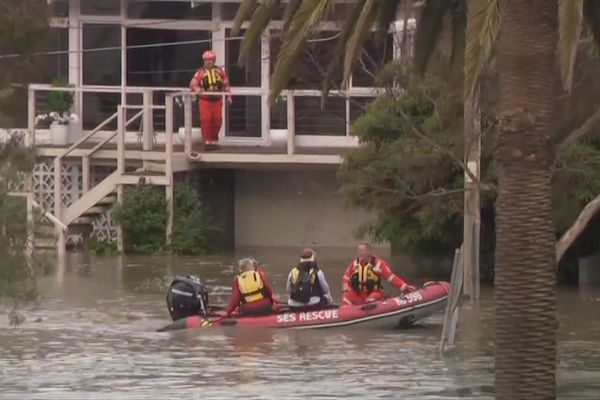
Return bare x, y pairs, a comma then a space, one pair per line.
96, 340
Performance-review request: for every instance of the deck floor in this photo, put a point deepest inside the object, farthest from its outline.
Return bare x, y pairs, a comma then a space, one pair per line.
224, 149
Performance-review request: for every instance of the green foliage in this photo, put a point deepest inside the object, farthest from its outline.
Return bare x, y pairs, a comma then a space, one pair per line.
143, 216
190, 223
16, 273
59, 101
414, 184
103, 247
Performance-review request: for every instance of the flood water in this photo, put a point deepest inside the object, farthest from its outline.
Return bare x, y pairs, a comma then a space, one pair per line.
92, 336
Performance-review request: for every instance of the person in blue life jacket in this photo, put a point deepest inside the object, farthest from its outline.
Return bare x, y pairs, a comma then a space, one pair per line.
306, 283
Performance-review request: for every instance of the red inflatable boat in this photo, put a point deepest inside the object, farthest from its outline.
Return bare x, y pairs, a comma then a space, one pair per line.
390, 313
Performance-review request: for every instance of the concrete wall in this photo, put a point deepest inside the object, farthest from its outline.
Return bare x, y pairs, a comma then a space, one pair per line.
293, 208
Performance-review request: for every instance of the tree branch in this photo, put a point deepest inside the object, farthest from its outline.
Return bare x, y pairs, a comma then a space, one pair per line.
578, 133
584, 218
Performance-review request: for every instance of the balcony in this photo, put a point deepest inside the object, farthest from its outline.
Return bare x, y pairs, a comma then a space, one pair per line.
295, 130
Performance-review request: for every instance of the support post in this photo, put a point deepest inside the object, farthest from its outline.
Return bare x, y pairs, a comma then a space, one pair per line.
58, 194
169, 189
148, 120
291, 123
85, 174
30, 226
187, 122
472, 202
30, 142
119, 228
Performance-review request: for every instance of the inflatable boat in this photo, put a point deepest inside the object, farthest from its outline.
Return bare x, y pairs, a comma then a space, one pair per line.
388, 313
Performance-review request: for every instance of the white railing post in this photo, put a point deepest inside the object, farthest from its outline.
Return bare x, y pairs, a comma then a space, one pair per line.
148, 120
169, 189
31, 111
291, 123
187, 118
121, 139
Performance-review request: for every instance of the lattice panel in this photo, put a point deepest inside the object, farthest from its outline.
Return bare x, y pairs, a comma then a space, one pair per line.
104, 228
43, 184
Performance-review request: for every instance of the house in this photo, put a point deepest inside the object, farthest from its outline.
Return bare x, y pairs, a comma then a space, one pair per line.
129, 62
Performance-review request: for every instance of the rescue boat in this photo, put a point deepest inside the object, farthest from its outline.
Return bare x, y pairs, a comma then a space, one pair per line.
392, 312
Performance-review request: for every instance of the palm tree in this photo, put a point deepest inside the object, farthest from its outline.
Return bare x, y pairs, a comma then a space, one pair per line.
528, 31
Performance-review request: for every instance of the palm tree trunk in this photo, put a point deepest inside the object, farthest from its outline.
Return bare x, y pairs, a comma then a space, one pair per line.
525, 292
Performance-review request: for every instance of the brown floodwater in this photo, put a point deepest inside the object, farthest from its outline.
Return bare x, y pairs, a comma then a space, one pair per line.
92, 336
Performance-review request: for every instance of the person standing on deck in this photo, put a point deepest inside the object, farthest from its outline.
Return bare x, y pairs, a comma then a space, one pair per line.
210, 82
252, 294
362, 281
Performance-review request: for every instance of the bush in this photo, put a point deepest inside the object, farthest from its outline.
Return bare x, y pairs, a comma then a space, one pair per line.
143, 218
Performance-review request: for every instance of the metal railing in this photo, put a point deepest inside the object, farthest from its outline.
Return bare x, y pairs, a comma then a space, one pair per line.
299, 114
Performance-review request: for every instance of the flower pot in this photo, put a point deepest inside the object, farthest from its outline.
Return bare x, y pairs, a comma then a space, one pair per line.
59, 134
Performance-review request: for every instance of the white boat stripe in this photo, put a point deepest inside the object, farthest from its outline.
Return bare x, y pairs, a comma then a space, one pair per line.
368, 318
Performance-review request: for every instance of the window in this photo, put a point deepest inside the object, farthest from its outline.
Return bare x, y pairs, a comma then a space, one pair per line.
102, 54
228, 11
164, 65
358, 106
312, 65
312, 120
59, 9
97, 107
101, 7
244, 117
170, 10
247, 74
376, 53
56, 66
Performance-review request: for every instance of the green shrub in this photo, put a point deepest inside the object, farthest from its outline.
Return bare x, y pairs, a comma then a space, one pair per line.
143, 216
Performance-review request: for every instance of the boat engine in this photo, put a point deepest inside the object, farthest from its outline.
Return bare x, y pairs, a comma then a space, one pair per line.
187, 296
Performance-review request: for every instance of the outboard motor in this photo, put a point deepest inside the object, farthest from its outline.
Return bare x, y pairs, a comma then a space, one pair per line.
187, 296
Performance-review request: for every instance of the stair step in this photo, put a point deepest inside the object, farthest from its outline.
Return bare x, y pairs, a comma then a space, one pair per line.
44, 230
94, 210
108, 200
44, 243
84, 220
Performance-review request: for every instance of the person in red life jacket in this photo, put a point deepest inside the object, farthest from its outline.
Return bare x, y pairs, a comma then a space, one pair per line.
252, 294
210, 82
362, 281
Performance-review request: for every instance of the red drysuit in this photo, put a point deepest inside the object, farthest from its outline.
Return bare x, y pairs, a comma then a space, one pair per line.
207, 80
355, 292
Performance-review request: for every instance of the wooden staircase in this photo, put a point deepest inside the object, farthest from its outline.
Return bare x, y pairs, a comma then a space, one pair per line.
106, 193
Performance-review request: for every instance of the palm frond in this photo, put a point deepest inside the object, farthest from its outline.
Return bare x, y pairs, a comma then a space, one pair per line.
306, 19
340, 46
242, 15
458, 15
483, 25
259, 22
429, 29
386, 15
591, 12
361, 32
570, 17
289, 13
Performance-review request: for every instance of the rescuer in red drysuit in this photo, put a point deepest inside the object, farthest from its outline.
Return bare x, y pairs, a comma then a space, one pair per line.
251, 293
207, 79
362, 281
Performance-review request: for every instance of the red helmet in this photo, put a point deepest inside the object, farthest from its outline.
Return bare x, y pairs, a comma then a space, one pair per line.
209, 55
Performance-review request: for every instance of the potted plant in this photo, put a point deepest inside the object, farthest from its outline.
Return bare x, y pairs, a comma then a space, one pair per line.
59, 117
